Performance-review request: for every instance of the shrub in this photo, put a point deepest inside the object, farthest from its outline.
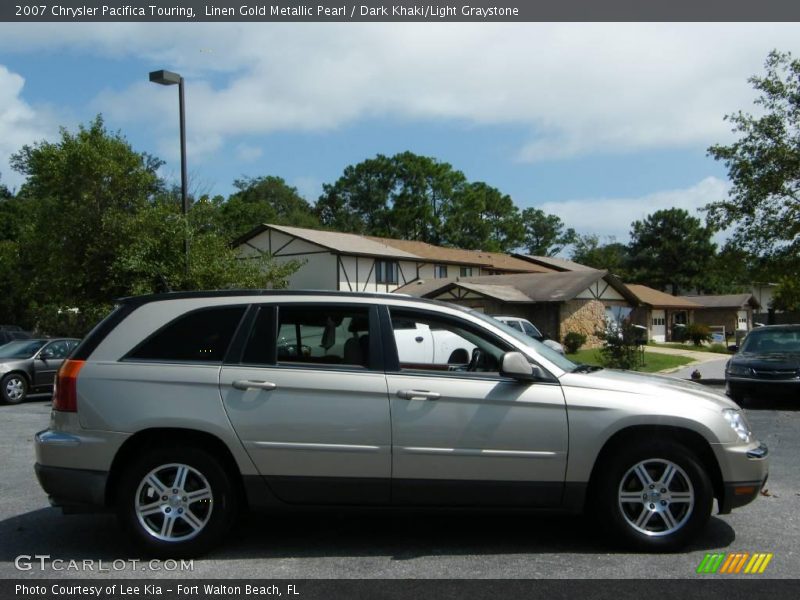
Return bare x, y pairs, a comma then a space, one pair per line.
619, 349
721, 348
698, 333
573, 341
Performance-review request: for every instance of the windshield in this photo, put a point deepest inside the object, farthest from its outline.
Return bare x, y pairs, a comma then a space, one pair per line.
538, 347
21, 348
772, 341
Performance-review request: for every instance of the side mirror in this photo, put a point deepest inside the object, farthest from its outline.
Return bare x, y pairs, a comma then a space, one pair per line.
516, 366
46, 354
733, 348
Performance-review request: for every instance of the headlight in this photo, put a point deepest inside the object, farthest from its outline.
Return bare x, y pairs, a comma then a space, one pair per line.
738, 423
739, 371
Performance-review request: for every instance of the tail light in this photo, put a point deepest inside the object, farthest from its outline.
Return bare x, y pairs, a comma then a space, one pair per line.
65, 391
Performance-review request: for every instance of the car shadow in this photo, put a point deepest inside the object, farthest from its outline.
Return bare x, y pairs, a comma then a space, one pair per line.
401, 536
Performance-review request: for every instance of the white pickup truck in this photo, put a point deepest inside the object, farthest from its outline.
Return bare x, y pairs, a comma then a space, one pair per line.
418, 343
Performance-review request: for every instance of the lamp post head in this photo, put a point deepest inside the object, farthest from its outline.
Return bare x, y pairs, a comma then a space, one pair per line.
165, 77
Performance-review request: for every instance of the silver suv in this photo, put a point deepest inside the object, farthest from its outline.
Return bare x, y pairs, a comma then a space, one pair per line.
179, 411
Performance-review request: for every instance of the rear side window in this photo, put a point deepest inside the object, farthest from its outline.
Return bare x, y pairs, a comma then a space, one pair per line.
199, 336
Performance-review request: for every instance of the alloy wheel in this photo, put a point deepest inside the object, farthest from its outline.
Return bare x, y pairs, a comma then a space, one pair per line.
656, 497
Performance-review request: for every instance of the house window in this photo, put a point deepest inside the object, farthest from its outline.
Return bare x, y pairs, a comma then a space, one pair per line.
386, 271
466, 272
440, 271
659, 321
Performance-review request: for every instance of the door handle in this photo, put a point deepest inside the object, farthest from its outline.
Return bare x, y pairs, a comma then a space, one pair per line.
246, 384
419, 339
418, 395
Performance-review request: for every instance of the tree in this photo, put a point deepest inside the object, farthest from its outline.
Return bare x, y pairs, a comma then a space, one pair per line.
545, 235
100, 224
611, 256
670, 249
419, 198
763, 165
5, 193
78, 193
480, 217
360, 200
403, 196
263, 200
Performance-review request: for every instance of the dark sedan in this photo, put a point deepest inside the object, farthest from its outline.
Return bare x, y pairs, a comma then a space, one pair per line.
766, 365
29, 366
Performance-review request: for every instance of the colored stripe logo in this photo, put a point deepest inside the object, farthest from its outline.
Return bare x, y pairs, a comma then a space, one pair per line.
735, 563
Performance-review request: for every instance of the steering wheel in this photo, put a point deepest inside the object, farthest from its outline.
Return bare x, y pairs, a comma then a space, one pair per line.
475, 360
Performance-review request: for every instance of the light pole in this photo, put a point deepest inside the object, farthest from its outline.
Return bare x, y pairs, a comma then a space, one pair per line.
169, 78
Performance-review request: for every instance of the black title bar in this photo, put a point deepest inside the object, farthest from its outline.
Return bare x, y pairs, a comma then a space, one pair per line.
397, 11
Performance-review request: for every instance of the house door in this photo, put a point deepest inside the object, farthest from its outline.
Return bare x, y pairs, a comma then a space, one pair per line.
741, 320
658, 325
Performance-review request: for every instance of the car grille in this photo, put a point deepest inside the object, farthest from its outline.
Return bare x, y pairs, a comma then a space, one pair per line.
775, 373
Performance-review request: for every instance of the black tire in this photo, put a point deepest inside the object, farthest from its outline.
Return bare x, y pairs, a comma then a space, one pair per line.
662, 521
13, 388
198, 523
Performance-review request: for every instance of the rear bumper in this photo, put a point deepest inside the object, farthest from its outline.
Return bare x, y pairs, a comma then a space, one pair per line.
74, 490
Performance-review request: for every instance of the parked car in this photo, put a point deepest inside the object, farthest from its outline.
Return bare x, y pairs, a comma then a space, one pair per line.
29, 366
180, 410
9, 333
531, 330
767, 364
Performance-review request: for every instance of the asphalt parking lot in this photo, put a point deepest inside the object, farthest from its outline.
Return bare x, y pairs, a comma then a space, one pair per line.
382, 545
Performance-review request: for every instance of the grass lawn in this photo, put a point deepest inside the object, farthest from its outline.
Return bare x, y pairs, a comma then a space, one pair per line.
718, 348
652, 362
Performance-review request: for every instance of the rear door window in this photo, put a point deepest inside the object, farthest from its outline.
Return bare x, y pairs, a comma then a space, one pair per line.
323, 335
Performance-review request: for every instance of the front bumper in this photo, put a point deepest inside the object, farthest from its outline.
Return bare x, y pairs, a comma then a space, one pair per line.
765, 388
750, 468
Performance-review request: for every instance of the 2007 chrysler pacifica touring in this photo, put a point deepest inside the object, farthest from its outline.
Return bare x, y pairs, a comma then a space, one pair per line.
181, 410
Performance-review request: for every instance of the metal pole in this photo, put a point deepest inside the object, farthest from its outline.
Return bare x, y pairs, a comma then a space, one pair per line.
184, 177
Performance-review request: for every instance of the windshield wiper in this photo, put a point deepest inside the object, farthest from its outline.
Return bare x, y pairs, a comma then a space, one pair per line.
582, 368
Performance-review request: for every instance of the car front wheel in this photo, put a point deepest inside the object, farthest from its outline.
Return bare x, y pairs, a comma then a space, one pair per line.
176, 502
13, 388
655, 496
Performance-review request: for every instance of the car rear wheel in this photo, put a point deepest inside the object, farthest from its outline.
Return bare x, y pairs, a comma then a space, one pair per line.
655, 497
13, 388
176, 502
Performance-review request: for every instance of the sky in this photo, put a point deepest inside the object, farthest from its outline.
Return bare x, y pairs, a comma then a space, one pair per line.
600, 124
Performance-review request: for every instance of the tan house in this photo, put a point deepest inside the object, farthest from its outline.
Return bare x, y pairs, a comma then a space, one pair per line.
349, 262
557, 303
729, 313
659, 312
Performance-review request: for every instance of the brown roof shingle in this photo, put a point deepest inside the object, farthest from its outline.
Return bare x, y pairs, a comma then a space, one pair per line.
657, 299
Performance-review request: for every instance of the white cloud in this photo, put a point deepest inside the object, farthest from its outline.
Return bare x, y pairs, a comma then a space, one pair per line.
613, 216
19, 124
571, 89
248, 153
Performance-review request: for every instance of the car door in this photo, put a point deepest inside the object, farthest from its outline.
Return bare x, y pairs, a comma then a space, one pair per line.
308, 400
47, 362
464, 435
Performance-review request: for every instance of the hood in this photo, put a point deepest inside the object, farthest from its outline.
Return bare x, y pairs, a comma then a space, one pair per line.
645, 385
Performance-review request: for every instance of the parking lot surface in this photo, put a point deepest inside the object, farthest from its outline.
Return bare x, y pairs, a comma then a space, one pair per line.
391, 545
